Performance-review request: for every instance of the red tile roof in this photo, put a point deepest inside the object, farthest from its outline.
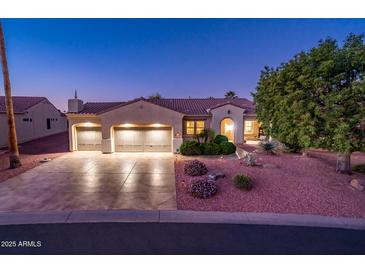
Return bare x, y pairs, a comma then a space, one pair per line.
94, 108
202, 106
189, 106
21, 103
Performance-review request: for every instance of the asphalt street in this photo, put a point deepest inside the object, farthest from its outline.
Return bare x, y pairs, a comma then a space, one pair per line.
171, 238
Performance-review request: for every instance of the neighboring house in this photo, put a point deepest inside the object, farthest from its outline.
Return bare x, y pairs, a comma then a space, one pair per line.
156, 125
35, 117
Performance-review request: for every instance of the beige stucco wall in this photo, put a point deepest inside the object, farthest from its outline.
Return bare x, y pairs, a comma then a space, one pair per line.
27, 131
139, 113
236, 114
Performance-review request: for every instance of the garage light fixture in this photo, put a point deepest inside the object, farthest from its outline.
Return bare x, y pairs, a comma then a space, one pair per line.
156, 125
127, 125
88, 124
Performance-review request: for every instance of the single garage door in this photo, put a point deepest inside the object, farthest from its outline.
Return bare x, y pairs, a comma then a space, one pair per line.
88, 138
142, 139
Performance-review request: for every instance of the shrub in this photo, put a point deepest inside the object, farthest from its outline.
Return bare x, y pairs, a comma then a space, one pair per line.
359, 168
211, 149
268, 146
202, 188
220, 138
250, 159
195, 168
206, 136
190, 148
242, 181
272, 147
227, 148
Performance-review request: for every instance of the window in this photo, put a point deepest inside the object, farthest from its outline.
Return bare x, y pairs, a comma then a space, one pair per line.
48, 123
199, 126
194, 127
248, 126
190, 127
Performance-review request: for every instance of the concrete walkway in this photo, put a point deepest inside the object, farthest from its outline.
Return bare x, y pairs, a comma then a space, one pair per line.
94, 181
179, 216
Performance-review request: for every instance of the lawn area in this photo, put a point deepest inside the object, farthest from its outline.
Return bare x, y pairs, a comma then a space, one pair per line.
32, 152
292, 184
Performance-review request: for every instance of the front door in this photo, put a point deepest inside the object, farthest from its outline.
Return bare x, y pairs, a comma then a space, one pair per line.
227, 129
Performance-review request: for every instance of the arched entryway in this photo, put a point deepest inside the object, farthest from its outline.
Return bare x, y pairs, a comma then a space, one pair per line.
227, 128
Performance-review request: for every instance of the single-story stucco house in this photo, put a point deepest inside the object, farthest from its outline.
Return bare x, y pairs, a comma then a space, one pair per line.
35, 117
156, 125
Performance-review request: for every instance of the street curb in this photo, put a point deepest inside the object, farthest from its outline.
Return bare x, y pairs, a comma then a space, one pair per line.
178, 216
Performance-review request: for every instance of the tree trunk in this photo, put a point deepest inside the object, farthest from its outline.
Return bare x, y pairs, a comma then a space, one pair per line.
13, 144
343, 163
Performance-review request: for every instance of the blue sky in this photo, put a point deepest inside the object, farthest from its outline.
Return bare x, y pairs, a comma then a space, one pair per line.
120, 59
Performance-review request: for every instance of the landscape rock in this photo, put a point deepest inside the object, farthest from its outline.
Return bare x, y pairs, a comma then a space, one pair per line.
216, 175
358, 184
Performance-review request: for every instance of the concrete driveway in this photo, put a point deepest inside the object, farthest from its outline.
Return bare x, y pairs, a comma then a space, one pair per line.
92, 180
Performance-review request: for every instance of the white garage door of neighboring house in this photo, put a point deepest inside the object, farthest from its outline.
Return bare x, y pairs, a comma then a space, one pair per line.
88, 138
142, 139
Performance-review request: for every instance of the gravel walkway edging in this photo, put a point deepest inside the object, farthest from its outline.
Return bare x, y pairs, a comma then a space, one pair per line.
178, 216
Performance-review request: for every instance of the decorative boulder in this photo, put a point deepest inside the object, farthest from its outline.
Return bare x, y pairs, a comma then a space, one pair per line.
215, 175
358, 184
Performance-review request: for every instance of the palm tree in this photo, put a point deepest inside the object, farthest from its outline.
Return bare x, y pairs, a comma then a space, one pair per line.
230, 94
156, 95
13, 144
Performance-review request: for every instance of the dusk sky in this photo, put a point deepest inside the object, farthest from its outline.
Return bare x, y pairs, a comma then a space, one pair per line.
120, 59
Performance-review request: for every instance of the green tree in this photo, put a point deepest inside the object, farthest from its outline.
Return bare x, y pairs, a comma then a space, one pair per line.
156, 95
230, 94
317, 99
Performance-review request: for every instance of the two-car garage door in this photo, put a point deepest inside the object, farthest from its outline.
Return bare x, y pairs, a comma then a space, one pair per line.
142, 139
126, 139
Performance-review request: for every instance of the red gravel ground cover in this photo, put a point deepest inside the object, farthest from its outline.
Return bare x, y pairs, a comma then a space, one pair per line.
34, 151
299, 184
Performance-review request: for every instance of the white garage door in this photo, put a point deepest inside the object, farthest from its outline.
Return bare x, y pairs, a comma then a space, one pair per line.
88, 138
143, 139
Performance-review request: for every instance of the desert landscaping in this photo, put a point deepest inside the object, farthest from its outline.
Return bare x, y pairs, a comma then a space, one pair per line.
284, 183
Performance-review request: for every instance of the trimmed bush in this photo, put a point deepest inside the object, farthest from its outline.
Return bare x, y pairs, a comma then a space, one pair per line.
190, 148
220, 139
202, 188
242, 181
359, 168
210, 149
195, 168
227, 148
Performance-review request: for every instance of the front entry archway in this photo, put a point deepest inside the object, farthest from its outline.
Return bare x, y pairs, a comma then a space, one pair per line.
227, 128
